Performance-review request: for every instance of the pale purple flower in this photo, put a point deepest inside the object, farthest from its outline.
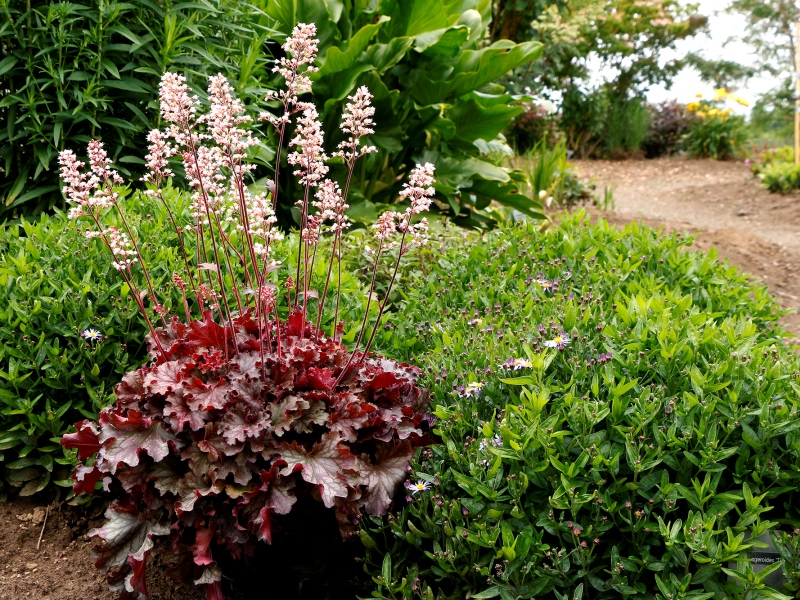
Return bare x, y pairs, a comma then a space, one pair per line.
515, 364
560, 341
473, 390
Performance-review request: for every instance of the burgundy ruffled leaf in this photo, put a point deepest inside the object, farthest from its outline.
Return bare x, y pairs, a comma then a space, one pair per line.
200, 396
384, 475
86, 479
206, 333
131, 388
125, 437
348, 418
125, 534
136, 580
242, 422
201, 549
316, 379
324, 466
165, 378
86, 439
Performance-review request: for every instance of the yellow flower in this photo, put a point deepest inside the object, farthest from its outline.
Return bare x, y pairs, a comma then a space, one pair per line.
692, 106
727, 111
701, 114
742, 101
713, 112
720, 93
698, 95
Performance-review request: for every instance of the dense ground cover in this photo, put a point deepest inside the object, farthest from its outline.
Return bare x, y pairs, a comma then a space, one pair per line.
616, 413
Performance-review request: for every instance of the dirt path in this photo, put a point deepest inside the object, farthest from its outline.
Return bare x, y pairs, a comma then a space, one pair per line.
722, 203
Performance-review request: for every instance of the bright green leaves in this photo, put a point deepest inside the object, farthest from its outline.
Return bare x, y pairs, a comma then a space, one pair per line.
75, 72
642, 459
473, 70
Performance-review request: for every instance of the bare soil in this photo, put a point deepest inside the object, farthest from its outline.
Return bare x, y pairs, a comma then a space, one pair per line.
719, 202
61, 566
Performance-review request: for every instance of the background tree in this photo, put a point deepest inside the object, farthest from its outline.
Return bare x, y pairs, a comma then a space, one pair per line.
770, 32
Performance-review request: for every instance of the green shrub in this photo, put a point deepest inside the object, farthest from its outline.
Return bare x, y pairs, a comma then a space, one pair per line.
631, 463
719, 136
628, 126
783, 177
714, 131
769, 156
551, 178
435, 100
70, 71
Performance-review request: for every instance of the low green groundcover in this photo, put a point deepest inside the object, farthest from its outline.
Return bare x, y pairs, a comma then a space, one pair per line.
618, 417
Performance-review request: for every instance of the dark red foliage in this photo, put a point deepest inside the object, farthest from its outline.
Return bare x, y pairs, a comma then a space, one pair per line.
211, 447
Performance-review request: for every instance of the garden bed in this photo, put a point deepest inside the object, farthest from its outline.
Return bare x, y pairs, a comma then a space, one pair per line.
61, 566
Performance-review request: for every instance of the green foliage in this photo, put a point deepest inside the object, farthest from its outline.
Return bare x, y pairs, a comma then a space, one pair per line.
772, 118
719, 136
624, 36
551, 178
434, 98
769, 30
70, 71
783, 177
632, 463
628, 126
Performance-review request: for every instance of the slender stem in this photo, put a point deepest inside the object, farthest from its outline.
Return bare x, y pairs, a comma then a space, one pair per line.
366, 313
388, 291
351, 164
139, 254
131, 285
180, 238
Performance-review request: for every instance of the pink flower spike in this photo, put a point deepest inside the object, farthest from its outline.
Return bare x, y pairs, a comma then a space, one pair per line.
356, 123
419, 188
309, 156
158, 157
176, 105
99, 163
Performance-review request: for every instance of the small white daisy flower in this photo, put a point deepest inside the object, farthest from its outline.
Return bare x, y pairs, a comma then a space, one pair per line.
419, 486
560, 341
92, 335
472, 390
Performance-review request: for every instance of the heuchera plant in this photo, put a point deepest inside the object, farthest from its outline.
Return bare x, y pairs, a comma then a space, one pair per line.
240, 413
